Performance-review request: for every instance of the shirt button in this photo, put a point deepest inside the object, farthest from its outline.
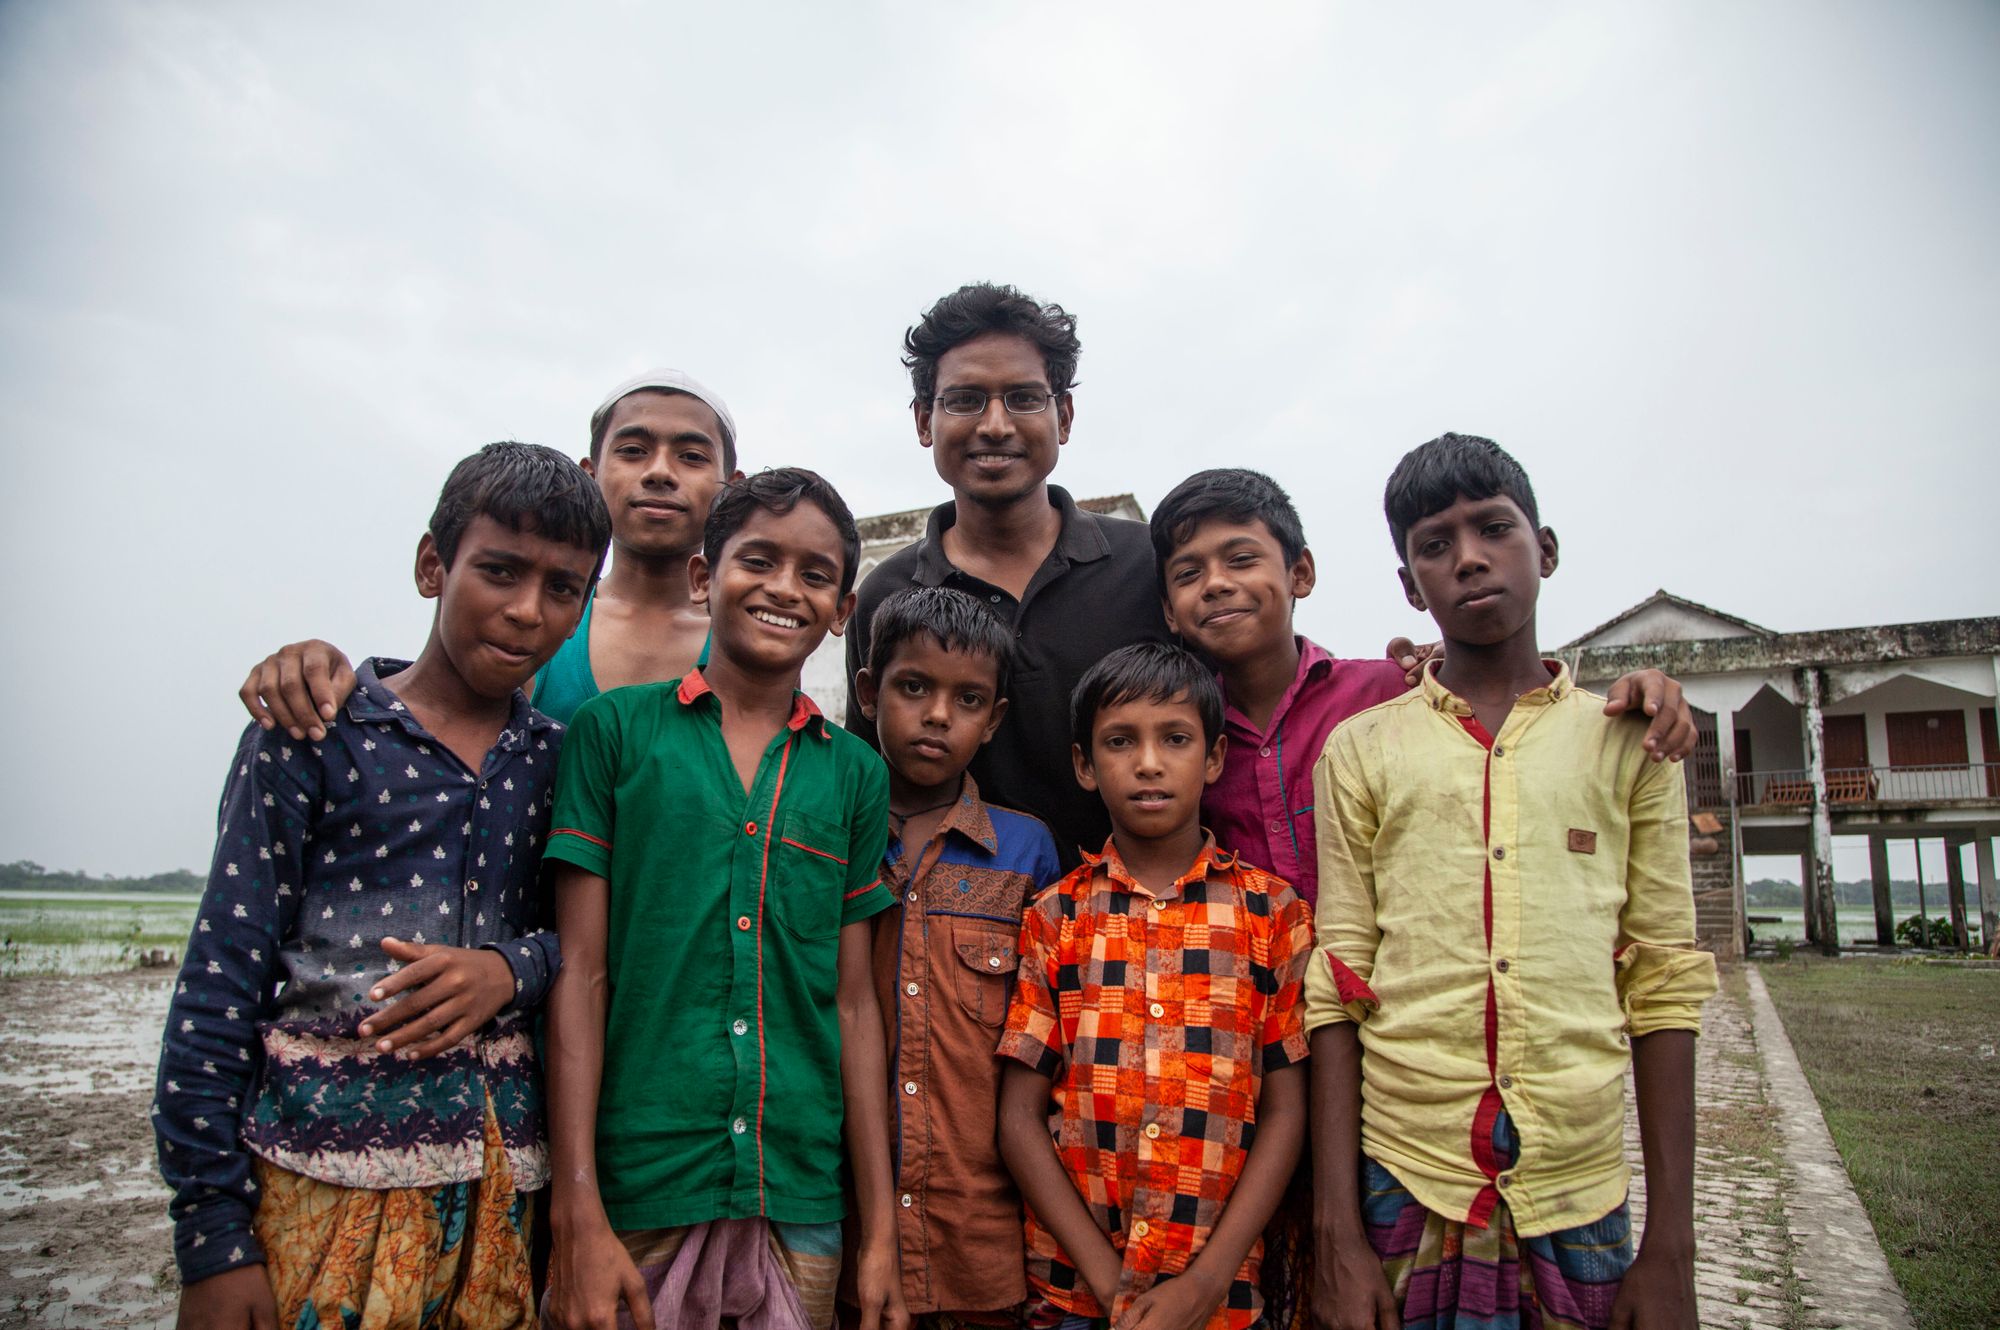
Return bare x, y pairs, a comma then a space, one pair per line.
1263, 752
749, 828
911, 989
1506, 1179
743, 923
1141, 1229
1499, 852
1501, 965
906, 1200
1506, 1082
1152, 1131
1499, 750
1277, 826
739, 1126
739, 1026
1157, 1010
1159, 904
472, 885
909, 1087
995, 598
911, 898
993, 962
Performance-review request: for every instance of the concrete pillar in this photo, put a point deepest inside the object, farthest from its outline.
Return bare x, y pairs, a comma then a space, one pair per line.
1725, 752
1822, 925
1878, 873
1954, 876
1989, 891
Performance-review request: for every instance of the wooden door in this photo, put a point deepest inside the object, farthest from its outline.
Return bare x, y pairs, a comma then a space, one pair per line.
1927, 738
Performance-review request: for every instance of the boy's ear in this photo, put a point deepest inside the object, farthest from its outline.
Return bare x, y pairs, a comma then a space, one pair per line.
1211, 770
1305, 575
698, 578
922, 412
1084, 775
866, 693
845, 612
993, 722
589, 467
1547, 537
430, 568
1410, 592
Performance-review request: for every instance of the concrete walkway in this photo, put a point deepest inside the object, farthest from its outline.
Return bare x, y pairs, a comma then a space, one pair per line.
1782, 1242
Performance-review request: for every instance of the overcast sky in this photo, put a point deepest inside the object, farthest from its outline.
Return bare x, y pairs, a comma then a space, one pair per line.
1722, 276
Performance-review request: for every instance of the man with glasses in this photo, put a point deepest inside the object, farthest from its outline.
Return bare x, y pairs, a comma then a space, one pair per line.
990, 370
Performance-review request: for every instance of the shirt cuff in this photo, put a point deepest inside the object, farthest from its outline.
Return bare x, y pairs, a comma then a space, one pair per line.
204, 1253
1663, 988
534, 958
590, 853
1030, 1052
1335, 993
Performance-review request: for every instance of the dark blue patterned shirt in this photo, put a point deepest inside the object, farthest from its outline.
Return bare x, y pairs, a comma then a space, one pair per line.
323, 850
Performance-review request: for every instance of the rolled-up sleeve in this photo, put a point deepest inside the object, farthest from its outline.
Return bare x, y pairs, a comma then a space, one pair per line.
1034, 1034
1346, 821
1662, 978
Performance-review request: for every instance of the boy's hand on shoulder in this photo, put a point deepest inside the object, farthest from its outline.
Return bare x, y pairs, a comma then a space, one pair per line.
447, 993
1412, 657
298, 688
1657, 1292
1671, 735
232, 1300
878, 1288
1184, 1302
1351, 1291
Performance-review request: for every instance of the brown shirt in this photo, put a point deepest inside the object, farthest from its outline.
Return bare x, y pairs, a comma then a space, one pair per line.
945, 957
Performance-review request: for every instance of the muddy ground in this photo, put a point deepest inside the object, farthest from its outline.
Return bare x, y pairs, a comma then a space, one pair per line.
84, 1239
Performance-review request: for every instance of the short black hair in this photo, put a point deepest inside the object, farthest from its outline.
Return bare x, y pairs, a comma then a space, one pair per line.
1435, 475
601, 425
955, 620
523, 487
982, 308
779, 490
1233, 494
1145, 671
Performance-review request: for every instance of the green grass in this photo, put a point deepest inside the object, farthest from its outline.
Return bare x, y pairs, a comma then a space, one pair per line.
52, 935
1901, 1055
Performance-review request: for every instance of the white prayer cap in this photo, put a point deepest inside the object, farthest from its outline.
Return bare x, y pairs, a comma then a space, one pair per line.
672, 381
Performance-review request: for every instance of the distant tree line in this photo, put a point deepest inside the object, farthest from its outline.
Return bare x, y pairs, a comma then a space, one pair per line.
27, 875
1765, 891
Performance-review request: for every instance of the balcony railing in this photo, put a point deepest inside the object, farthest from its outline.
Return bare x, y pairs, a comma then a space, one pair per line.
1857, 785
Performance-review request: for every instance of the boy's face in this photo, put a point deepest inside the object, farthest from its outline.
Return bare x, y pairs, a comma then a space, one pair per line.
659, 469
933, 707
1149, 763
1229, 590
774, 593
506, 603
1476, 567
994, 458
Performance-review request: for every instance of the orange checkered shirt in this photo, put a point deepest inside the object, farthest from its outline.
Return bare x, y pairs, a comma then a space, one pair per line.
1156, 1017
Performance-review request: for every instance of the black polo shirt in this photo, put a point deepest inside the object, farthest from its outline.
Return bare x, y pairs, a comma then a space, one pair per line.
1096, 592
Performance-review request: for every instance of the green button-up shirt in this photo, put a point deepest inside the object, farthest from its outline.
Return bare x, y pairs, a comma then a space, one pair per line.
721, 1094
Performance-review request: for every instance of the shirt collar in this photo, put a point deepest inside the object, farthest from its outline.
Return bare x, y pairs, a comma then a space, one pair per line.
1443, 699
804, 710
1080, 540
969, 818
1209, 858
1315, 662
374, 702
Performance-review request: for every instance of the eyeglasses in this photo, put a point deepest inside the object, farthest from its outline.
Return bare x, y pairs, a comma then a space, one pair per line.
972, 401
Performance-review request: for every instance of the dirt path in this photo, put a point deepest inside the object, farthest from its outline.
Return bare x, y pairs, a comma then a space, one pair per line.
84, 1239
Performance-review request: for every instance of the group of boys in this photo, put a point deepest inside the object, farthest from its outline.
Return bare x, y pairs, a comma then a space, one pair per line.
825, 1013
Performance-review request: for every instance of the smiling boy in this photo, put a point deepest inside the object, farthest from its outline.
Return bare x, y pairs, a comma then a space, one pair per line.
1505, 924
719, 849
334, 1160
1153, 1107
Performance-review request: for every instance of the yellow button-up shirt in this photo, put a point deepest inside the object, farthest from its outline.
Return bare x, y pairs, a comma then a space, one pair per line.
1549, 871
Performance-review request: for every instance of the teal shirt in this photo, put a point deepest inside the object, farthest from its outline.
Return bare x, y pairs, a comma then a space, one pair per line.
566, 683
721, 1095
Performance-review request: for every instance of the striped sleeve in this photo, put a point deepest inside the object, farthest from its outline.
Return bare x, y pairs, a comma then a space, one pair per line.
586, 809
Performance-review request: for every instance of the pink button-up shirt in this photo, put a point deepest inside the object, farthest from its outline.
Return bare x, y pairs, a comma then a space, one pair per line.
1262, 805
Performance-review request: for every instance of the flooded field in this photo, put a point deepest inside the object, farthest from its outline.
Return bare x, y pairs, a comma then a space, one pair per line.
84, 1239
88, 933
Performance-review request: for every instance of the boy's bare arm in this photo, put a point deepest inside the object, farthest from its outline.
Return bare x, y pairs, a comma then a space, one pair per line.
864, 1083
1031, 1157
298, 688
1658, 1290
1350, 1290
589, 1269
1187, 1301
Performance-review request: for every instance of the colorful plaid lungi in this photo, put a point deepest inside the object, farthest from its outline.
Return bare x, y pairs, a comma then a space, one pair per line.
1452, 1276
360, 1259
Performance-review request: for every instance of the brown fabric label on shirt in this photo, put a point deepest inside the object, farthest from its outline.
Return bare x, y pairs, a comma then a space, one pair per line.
1581, 841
